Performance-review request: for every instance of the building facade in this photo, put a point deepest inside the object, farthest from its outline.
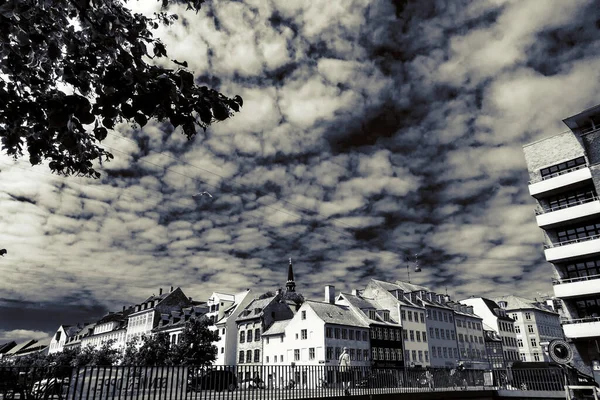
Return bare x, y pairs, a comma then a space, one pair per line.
564, 173
536, 324
470, 337
498, 320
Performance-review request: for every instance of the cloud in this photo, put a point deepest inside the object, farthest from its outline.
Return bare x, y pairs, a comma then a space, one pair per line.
370, 132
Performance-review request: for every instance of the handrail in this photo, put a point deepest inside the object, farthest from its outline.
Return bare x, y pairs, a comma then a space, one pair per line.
567, 321
577, 279
539, 211
566, 242
565, 171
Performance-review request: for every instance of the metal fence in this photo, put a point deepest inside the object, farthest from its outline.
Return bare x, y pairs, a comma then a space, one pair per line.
256, 382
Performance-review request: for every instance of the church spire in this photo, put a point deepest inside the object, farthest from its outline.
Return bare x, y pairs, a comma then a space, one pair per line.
290, 284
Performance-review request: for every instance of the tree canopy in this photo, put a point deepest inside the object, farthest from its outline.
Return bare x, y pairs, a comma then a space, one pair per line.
72, 69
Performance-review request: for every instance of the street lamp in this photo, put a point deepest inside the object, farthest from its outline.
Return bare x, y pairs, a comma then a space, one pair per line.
417, 268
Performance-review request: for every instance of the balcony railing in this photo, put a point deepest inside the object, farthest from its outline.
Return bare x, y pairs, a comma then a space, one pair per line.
540, 210
578, 279
568, 321
565, 171
566, 242
589, 129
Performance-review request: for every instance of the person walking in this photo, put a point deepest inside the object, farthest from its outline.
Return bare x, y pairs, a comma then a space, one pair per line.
345, 373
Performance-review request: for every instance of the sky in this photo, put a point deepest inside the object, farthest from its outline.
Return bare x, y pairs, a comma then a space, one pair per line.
372, 131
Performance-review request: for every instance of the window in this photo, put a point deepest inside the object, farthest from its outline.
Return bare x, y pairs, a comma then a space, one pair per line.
402, 315
578, 232
528, 316
374, 353
281, 358
256, 355
414, 355
311, 353
459, 323
296, 354
530, 328
304, 334
471, 338
385, 334
445, 352
588, 307
352, 354
460, 337
267, 359
431, 332
338, 353
328, 333
241, 358
445, 317
455, 350
365, 336
410, 316
583, 268
406, 355
257, 334
418, 336
336, 332
437, 333
533, 342
242, 336
303, 314
422, 315
412, 336
450, 317
249, 335
222, 350
536, 357
514, 316
435, 315
366, 355
329, 353
520, 342
344, 333
564, 166
351, 334
424, 336
378, 331
421, 355
249, 356
405, 334
426, 356
443, 334
517, 329
469, 324
453, 335
372, 314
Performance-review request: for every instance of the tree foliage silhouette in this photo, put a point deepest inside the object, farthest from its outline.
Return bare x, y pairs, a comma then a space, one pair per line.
72, 69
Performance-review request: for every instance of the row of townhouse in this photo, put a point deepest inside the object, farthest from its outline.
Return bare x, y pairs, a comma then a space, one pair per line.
384, 325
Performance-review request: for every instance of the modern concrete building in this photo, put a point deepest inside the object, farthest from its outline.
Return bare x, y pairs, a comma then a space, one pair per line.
536, 324
564, 173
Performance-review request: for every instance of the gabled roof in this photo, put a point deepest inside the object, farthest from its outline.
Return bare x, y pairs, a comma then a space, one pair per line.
277, 328
521, 303
255, 309
21, 347
335, 314
361, 304
492, 306
390, 287
7, 346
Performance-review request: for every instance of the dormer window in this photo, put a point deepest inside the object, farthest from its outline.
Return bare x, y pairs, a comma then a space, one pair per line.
502, 304
372, 314
386, 315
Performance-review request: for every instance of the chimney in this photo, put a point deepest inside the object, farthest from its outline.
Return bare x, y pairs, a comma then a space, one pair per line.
123, 308
190, 298
446, 298
171, 288
470, 310
277, 292
159, 291
463, 308
355, 292
330, 294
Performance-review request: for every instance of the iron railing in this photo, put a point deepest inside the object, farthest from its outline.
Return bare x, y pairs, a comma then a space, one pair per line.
241, 382
568, 321
567, 242
558, 173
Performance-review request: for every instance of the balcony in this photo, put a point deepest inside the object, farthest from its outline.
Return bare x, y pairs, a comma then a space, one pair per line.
581, 328
572, 248
551, 217
551, 183
575, 287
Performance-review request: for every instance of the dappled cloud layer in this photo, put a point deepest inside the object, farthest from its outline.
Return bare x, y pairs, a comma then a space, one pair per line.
371, 131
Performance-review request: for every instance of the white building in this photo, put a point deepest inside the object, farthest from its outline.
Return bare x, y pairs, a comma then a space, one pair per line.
564, 173
61, 336
112, 326
223, 309
315, 336
536, 324
497, 319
